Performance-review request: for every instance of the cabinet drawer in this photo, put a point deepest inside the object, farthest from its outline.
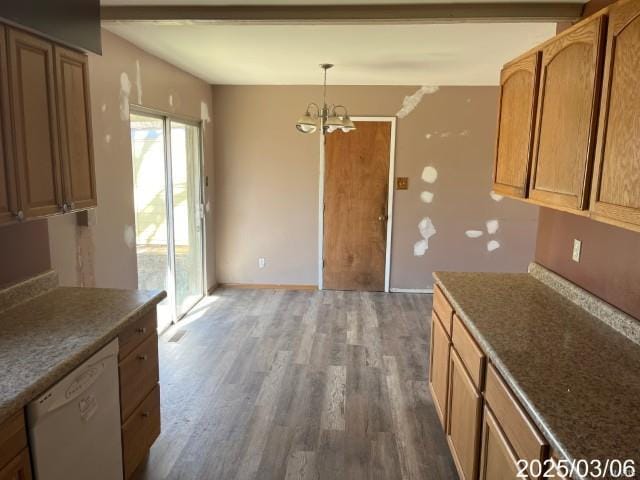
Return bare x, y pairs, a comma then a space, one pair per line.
138, 375
442, 307
13, 438
469, 352
136, 333
527, 442
140, 431
19, 468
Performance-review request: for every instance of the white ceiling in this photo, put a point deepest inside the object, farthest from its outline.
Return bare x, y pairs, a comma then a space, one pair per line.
433, 54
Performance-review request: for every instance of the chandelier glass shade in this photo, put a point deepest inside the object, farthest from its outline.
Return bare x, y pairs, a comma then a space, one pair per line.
329, 118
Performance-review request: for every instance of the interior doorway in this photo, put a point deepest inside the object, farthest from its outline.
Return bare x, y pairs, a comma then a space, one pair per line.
167, 180
357, 198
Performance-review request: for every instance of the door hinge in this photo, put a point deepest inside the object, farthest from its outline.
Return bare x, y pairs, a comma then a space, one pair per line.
324, 263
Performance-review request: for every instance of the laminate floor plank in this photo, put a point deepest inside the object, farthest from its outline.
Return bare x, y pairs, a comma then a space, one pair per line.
306, 385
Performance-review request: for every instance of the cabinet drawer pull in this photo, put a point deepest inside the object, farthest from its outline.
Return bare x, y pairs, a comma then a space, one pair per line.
145, 414
143, 357
141, 330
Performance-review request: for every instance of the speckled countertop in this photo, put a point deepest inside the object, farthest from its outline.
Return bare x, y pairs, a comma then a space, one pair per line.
578, 378
44, 338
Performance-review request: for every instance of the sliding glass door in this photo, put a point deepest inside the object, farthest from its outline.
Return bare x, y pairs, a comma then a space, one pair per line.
187, 215
168, 211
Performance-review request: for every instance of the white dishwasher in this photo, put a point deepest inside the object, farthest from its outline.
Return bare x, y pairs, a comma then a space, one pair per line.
74, 428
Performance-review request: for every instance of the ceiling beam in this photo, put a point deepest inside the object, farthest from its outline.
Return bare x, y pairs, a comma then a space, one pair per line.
350, 14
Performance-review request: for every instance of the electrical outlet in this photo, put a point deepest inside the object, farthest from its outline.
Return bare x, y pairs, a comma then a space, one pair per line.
577, 248
261, 262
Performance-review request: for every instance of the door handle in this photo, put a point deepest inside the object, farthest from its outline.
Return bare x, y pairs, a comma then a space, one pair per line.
382, 218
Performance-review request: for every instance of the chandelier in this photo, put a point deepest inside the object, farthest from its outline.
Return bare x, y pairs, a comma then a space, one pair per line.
330, 117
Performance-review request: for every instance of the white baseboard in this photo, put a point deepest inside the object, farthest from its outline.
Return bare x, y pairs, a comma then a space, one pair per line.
412, 290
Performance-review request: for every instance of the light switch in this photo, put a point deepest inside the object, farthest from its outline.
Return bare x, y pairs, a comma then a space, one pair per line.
577, 248
402, 183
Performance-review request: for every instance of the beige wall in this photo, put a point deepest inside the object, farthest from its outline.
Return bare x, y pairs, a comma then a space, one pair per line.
267, 184
104, 254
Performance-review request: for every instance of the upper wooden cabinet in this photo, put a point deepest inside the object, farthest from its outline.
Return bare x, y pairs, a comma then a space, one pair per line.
567, 116
516, 118
76, 145
35, 122
8, 200
46, 147
616, 185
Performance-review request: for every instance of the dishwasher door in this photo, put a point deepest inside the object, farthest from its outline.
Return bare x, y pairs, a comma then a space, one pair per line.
74, 428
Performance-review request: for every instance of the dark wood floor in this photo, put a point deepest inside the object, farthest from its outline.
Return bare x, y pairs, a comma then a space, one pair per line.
274, 384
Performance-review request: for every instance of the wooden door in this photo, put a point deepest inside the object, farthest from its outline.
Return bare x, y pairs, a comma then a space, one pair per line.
8, 192
616, 187
567, 116
355, 207
516, 121
17, 469
498, 461
463, 421
35, 123
439, 367
74, 115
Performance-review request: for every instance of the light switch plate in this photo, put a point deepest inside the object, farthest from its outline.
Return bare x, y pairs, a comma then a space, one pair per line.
577, 248
402, 183
261, 262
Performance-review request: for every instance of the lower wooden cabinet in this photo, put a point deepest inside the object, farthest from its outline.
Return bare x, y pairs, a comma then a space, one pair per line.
439, 367
140, 431
486, 427
463, 421
19, 468
139, 391
15, 463
498, 461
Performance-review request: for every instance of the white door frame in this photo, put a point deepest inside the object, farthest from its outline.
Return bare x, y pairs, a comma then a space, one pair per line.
392, 162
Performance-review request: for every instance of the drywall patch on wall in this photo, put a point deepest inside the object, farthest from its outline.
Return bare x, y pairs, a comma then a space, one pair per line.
496, 197
139, 82
427, 230
493, 245
474, 233
125, 91
204, 112
410, 102
492, 226
426, 196
129, 236
85, 254
429, 174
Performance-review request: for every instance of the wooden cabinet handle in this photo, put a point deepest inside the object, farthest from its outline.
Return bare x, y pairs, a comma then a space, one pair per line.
143, 357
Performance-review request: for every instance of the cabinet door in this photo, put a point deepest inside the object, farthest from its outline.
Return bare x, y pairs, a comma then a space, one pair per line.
463, 421
516, 120
439, 367
616, 188
74, 115
8, 193
35, 123
17, 469
567, 116
498, 461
